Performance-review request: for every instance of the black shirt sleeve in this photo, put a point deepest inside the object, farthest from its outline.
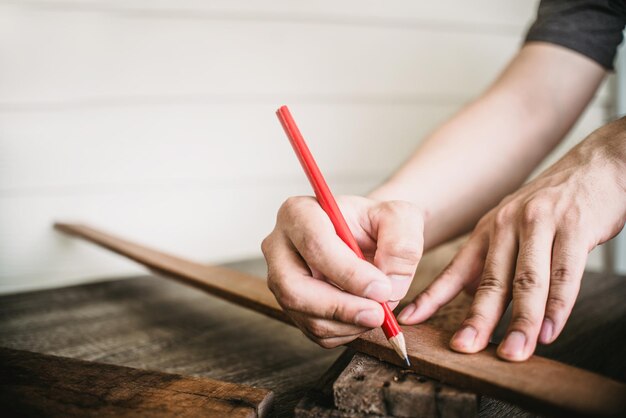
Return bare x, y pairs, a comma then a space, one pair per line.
593, 28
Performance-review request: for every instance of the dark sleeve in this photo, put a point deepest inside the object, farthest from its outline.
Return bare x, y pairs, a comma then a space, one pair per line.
593, 28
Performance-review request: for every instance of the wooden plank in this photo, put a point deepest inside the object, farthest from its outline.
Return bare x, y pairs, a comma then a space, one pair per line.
33, 384
243, 289
154, 323
539, 384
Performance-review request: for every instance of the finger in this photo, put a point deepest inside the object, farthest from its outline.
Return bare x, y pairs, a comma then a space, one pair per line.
568, 264
327, 342
296, 290
315, 239
465, 267
529, 292
492, 294
333, 342
325, 328
399, 233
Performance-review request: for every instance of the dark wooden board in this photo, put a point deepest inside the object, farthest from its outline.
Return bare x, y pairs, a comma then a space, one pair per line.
539, 383
368, 386
156, 324
33, 384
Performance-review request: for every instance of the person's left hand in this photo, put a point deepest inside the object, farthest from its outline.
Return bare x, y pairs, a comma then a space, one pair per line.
532, 249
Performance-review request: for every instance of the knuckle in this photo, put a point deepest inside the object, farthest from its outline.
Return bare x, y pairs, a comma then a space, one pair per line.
475, 317
523, 320
335, 312
427, 298
486, 221
490, 283
404, 250
561, 275
534, 211
556, 303
291, 207
287, 207
327, 343
284, 295
526, 281
348, 275
396, 207
271, 284
318, 329
449, 271
291, 203
572, 217
310, 244
502, 218
266, 244
288, 300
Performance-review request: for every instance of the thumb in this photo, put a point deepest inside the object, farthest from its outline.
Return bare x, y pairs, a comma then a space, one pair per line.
399, 234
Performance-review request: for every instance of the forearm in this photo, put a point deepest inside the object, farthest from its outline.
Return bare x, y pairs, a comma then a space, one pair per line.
490, 147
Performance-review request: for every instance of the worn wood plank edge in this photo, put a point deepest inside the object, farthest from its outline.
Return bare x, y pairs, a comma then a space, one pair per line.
32, 384
539, 384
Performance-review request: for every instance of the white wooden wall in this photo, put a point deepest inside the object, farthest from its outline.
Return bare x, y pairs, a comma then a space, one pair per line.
155, 119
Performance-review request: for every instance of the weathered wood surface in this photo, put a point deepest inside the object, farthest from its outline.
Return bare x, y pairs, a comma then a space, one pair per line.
156, 324
33, 384
539, 383
368, 386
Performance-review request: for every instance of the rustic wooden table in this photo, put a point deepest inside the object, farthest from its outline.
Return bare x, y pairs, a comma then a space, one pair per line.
157, 324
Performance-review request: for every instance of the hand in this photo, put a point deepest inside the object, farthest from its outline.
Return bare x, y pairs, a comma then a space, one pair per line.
532, 249
330, 293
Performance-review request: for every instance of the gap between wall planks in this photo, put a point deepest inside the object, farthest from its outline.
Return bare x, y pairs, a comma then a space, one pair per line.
538, 384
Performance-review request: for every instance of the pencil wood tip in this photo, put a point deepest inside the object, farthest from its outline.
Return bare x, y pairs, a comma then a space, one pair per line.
399, 346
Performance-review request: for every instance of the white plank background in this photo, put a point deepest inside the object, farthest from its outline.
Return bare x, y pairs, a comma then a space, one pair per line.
155, 119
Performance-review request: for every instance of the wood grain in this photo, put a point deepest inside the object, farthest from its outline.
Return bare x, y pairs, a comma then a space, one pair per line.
153, 323
538, 384
33, 384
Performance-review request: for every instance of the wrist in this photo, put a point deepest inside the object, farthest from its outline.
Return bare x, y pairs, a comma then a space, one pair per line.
607, 148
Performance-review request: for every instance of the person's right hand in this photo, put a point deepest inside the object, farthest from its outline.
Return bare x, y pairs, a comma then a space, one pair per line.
330, 293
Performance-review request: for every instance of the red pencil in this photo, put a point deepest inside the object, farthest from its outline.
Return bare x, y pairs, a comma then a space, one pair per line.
327, 202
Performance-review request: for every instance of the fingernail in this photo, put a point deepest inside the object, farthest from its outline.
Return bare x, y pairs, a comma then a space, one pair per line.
369, 318
399, 286
464, 338
547, 329
406, 312
379, 290
513, 345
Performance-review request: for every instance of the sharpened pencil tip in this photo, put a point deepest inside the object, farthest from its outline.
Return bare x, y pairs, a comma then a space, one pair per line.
399, 346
